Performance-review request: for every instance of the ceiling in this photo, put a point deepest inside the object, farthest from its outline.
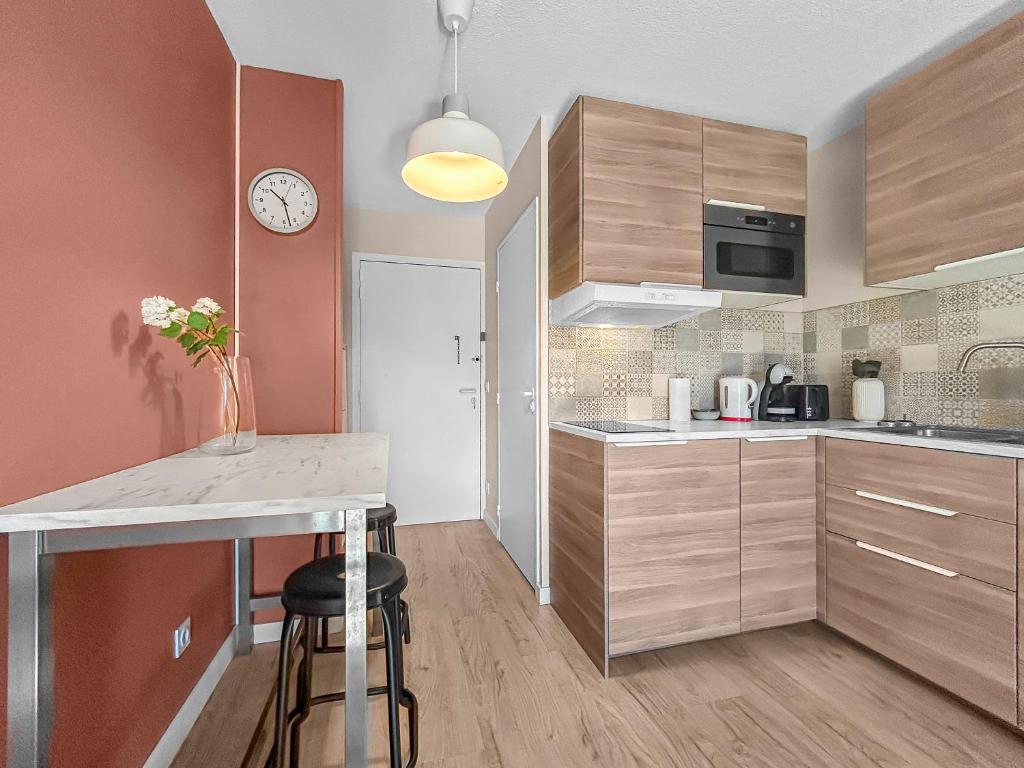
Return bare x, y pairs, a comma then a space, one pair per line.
796, 65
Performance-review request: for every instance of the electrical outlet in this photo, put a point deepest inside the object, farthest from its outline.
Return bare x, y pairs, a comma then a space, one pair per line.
182, 637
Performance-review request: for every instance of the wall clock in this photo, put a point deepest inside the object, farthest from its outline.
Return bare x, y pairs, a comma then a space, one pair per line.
282, 200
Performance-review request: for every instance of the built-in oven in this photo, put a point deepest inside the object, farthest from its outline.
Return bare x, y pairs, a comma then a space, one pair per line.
753, 251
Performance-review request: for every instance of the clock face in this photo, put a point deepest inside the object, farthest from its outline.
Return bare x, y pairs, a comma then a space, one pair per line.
282, 200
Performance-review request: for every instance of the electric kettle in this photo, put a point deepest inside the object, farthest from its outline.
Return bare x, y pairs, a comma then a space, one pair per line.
736, 395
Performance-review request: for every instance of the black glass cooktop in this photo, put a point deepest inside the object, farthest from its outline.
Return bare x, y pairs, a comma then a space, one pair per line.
616, 426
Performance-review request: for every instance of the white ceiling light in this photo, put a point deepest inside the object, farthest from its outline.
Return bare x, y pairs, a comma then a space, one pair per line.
453, 158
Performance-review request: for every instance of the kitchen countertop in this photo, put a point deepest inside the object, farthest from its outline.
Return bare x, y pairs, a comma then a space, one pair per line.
284, 475
839, 428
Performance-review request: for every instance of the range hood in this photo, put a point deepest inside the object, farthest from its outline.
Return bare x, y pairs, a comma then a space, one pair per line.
648, 305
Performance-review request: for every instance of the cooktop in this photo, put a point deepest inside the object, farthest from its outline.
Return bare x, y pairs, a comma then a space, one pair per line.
616, 426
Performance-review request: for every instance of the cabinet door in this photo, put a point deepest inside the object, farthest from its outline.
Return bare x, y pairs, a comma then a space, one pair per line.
673, 543
945, 159
743, 164
565, 217
777, 531
642, 214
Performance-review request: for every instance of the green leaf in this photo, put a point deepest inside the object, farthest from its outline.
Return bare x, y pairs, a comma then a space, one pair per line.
222, 336
187, 339
197, 346
171, 331
199, 321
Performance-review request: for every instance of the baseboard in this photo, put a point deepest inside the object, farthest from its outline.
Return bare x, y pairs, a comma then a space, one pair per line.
491, 523
166, 749
270, 632
544, 595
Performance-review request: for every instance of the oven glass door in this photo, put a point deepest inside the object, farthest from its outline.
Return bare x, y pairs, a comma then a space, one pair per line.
751, 260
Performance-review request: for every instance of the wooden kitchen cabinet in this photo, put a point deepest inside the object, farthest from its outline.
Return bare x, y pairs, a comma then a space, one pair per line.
922, 564
945, 164
625, 196
778, 516
673, 543
1020, 592
958, 632
743, 164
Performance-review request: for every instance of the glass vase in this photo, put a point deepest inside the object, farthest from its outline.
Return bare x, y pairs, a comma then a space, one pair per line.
227, 420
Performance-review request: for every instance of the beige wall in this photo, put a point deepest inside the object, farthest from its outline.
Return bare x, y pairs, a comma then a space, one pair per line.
417, 235
527, 180
835, 226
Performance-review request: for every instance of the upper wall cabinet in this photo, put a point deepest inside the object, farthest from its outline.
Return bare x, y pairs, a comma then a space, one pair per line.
755, 166
625, 196
945, 167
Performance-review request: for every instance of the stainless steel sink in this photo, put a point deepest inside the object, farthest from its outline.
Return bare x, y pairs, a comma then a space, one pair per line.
969, 434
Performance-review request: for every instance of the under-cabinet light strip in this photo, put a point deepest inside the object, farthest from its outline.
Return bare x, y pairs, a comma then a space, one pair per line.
976, 259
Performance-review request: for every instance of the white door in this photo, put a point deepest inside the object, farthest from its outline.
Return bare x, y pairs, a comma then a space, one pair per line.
518, 428
419, 374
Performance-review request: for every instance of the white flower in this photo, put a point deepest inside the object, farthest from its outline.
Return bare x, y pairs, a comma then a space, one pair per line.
207, 306
156, 311
180, 315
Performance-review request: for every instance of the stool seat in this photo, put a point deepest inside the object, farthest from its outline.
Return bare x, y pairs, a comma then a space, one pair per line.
318, 588
381, 517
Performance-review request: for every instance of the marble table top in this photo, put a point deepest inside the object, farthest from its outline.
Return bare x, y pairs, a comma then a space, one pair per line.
285, 474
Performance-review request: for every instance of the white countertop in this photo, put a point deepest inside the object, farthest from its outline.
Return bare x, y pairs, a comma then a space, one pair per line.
285, 474
839, 428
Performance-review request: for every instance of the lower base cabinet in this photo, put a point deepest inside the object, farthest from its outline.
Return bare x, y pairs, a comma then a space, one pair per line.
958, 632
673, 543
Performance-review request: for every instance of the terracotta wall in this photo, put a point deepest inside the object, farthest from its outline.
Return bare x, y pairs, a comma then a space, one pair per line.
290, 285
117, 136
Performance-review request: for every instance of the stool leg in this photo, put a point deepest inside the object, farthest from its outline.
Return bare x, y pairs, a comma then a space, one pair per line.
406, 621
276, 759
391, 539
408, 700
332, 550
318, 542
392, 650
305, 687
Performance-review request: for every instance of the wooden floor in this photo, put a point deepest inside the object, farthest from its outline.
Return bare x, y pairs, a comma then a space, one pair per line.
502, 684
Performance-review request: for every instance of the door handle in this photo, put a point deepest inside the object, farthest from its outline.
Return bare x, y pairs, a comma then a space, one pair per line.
467, 391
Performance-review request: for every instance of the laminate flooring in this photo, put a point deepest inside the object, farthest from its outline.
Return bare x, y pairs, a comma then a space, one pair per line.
502, 684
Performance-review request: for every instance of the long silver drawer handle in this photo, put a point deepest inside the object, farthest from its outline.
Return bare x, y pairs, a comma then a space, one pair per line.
907, 504
775, 439
907, 560
650, 442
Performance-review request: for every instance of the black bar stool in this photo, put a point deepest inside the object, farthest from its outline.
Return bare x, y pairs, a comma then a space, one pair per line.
317, 591
379, 521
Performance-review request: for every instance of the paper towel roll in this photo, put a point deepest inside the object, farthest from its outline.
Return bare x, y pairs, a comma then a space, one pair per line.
679, 399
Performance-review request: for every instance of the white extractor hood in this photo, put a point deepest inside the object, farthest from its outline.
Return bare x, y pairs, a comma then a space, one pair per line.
648, 305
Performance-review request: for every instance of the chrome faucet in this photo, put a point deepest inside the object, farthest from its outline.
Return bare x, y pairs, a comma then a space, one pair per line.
969, 352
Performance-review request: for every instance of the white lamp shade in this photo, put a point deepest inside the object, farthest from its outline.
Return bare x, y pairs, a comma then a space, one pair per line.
455, 159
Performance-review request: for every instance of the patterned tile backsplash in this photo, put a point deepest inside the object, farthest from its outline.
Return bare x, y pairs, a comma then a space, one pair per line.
919, 337
623, 373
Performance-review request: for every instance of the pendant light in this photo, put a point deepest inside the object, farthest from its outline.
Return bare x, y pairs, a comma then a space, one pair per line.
452, 158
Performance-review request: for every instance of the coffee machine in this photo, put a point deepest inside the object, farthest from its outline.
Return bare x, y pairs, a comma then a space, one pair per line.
773, 403
781, 400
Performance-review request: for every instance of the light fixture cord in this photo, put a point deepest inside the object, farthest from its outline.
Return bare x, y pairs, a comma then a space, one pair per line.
455, 29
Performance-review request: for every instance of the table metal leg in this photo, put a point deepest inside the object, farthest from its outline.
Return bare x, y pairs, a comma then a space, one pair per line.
243, 597
29, 653
356, 720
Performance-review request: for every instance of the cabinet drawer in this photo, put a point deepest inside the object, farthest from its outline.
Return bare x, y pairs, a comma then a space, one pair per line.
955, 631
973, 546
984, 486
